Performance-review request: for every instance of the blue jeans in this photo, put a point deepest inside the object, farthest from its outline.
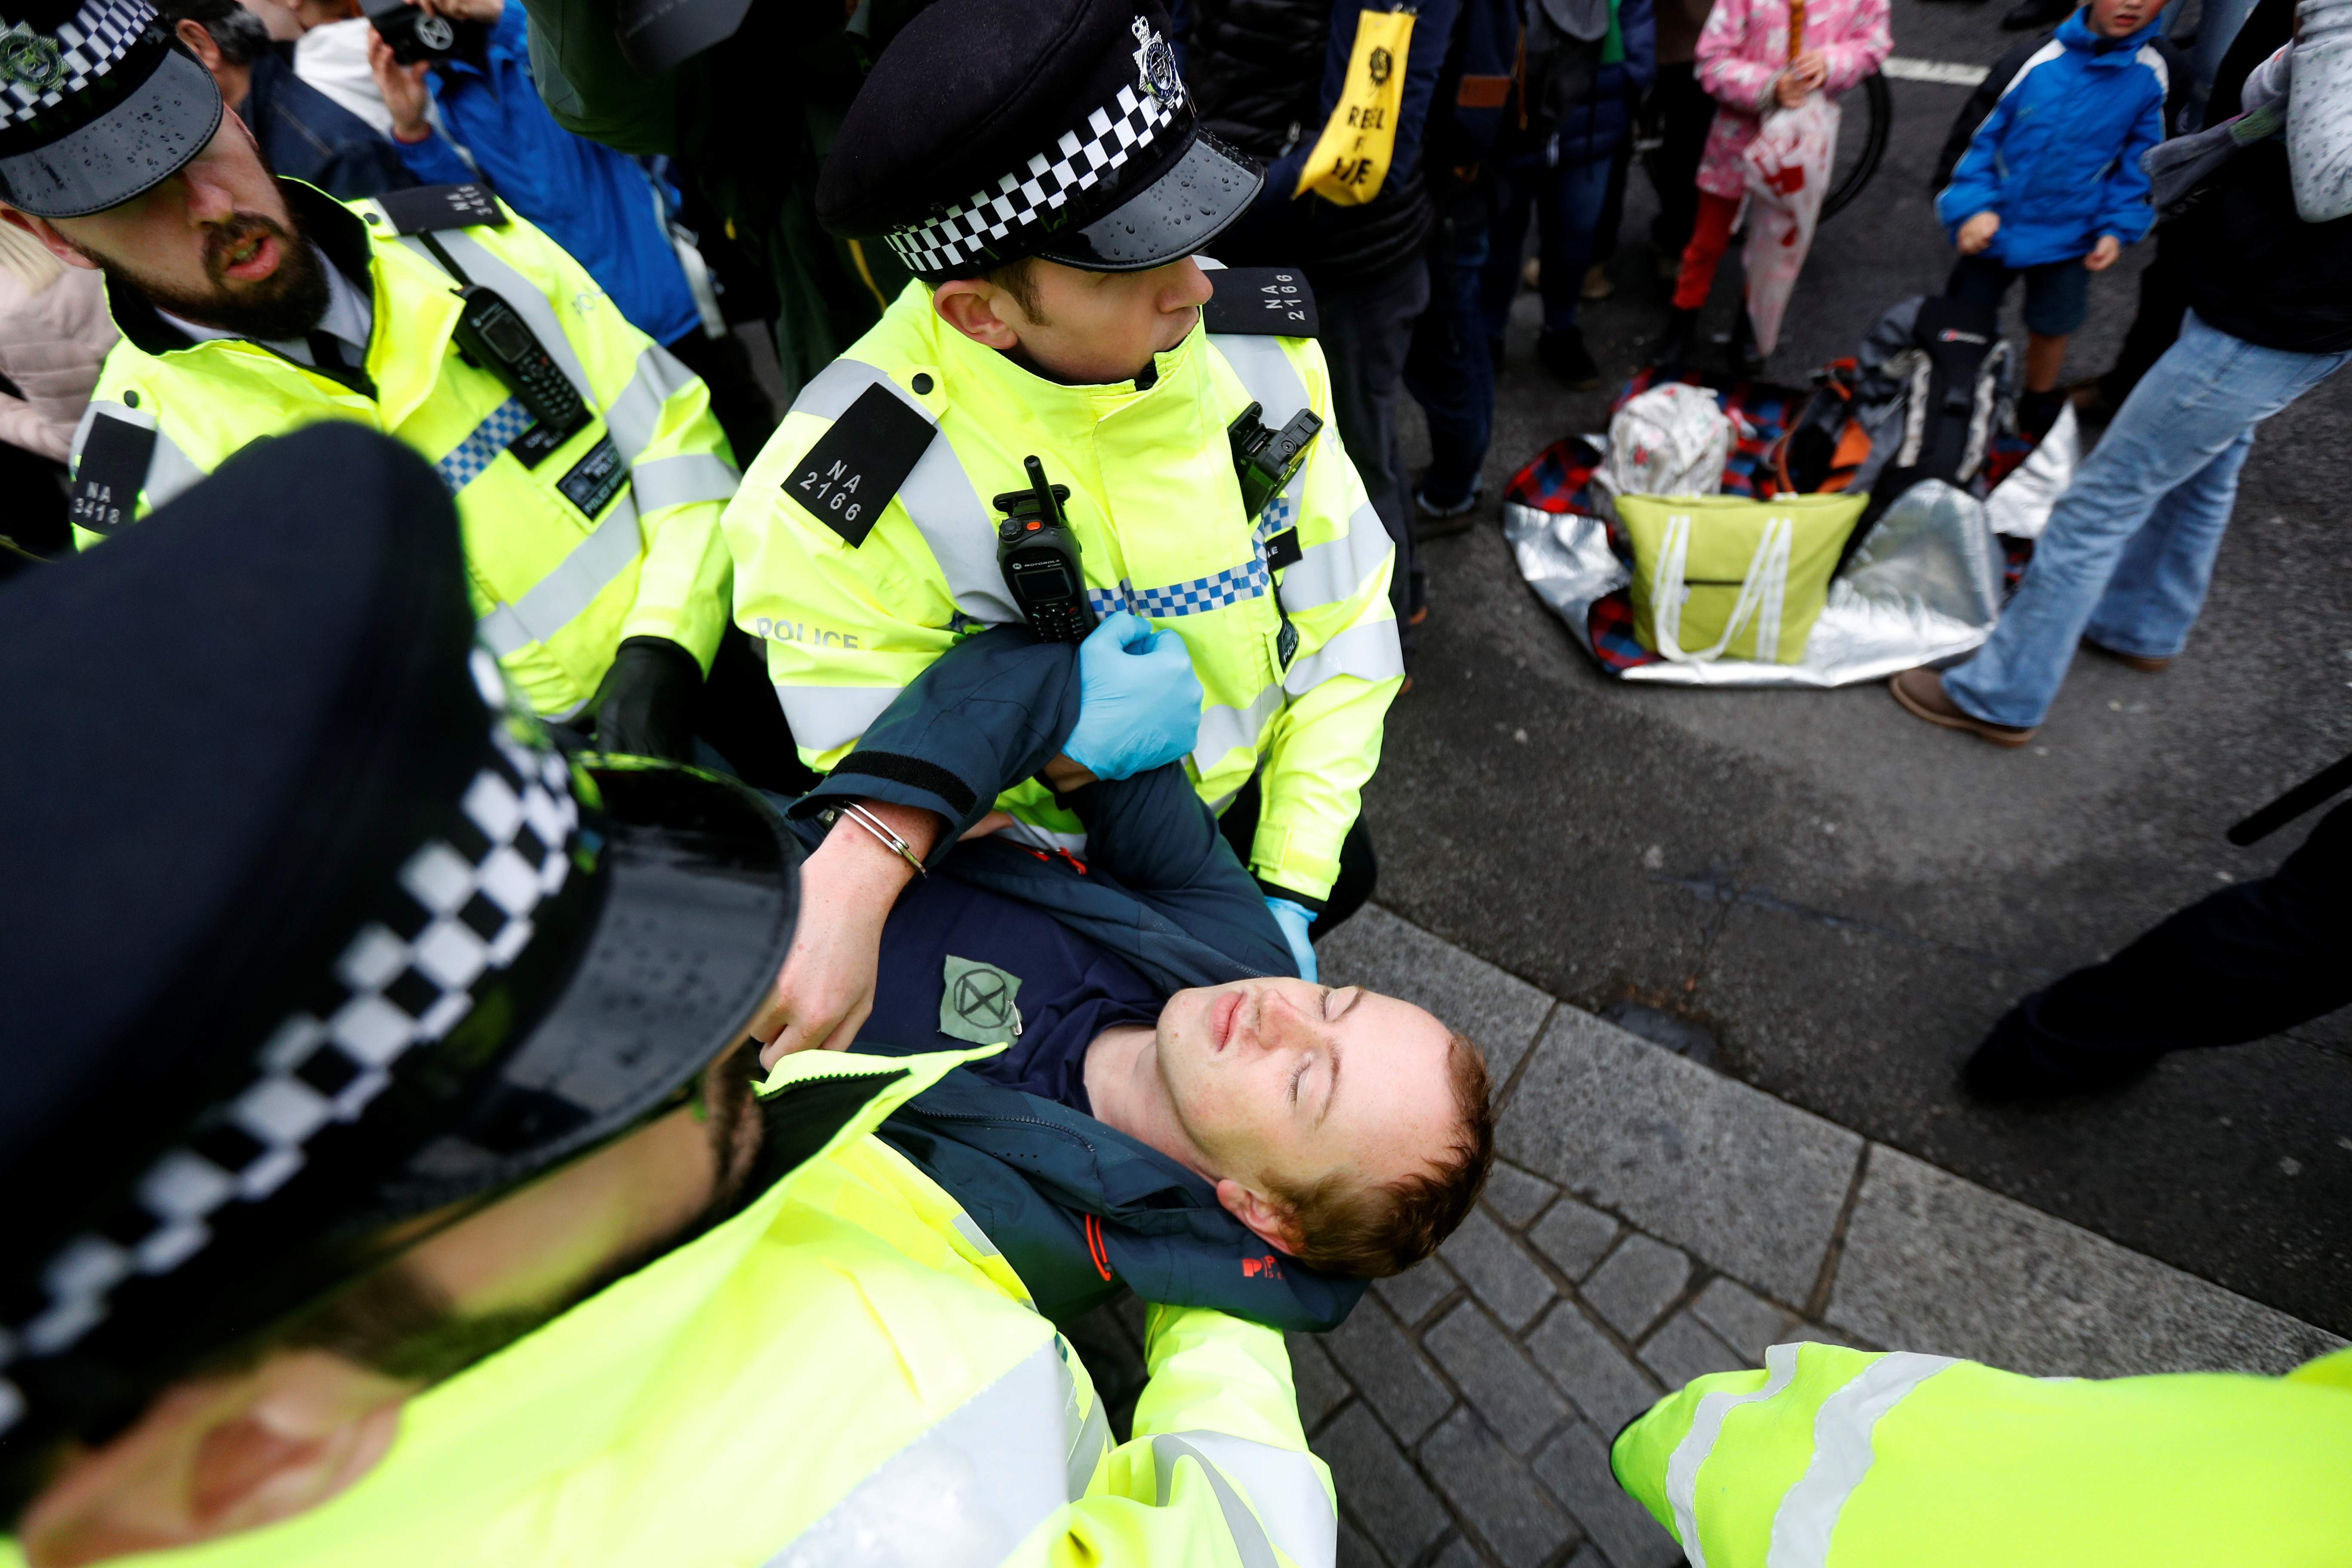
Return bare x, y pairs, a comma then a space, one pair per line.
2129, 550
1568, 202
1448, 370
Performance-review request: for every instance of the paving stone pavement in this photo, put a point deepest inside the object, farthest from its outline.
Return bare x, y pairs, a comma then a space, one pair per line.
1651, 1221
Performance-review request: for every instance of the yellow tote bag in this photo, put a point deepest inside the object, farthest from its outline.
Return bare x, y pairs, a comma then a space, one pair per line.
1726, 577
1351, 158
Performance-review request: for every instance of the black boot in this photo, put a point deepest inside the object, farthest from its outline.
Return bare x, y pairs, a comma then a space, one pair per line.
2011, 1066
1673, 347
1564, 355
1747, 360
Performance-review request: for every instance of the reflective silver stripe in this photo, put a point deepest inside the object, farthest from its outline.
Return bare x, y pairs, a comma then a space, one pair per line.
571, 587
1337, 568
1223, 728
1286, 1492
1248, 1535
168, 469
1089, 1434
1046, 838
1706, 1425
824, 717
937, 495
1808, 1514
517, 291
687, 477
969, 1229
965, 1493
636, 409
1367, 650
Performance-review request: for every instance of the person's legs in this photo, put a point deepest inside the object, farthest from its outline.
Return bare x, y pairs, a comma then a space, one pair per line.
1570, 211
1681, 111
2198, 400
2057, 298
1447, 368
1710, 237
1612, 208
2163, 300
1506, 237
1978, 278
2244, 962
2160, 582
1365, 331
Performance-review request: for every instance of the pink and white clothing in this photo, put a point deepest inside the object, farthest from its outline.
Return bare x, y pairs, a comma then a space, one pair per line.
1742, 51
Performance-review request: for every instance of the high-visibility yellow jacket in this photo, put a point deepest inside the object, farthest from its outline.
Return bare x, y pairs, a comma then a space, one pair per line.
557, 589
1831, 1458
846, 1373
1157, 513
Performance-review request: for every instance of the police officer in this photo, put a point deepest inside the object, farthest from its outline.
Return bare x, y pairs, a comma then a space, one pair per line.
585, 460
354, 1038
1037, 166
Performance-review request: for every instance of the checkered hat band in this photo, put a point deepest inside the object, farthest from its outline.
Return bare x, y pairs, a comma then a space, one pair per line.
469, 897
1075, 163
39, 72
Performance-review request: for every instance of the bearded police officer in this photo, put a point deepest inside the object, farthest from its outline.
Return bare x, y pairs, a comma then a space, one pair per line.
354, 1038
585, 462
1036, 164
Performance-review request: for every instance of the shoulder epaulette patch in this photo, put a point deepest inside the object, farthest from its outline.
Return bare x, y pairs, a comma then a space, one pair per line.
429, 207
1266, 302
110, 472
855, 468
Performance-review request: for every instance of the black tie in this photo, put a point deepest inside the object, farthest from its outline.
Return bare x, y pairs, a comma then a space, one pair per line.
327, 351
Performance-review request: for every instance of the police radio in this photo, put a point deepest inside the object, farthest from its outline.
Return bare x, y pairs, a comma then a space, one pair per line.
1265, 460
1040, 559
491, 335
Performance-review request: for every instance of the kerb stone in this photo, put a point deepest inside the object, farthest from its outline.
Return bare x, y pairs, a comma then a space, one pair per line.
1751, 1186
1376, 949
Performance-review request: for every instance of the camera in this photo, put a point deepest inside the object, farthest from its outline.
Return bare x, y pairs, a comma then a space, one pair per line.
1264, 459
416, 34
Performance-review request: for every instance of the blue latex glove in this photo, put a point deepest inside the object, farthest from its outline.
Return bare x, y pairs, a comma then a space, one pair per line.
1139, 701
1294, 919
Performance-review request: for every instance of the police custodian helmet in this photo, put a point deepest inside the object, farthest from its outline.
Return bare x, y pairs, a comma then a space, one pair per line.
98, 102
306, 930
993, 129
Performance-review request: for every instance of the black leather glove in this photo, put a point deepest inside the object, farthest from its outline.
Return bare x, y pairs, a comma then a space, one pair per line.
645, 704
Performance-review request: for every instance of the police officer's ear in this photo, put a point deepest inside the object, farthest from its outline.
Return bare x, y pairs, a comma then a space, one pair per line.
192, 32
980, 310
216, 1455
47, 238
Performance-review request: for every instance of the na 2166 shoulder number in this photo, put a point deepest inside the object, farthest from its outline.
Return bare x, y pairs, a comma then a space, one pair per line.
855, 468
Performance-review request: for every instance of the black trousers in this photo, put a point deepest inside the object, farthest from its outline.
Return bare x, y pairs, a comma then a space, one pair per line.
2163, 301
1680, 112
2245, 963
1359, 869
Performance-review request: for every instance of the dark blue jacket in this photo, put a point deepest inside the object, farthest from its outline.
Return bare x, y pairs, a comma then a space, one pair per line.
305, 135
1598, 124
2058, 158
595, 203
1079, 1208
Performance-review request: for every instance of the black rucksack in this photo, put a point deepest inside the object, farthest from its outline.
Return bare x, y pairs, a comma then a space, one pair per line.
1951, 383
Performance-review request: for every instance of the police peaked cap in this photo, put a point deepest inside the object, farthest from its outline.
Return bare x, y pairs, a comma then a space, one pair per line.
98, 102
307, 930
993, 130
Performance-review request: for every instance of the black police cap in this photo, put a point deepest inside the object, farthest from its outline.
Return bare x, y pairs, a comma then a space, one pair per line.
98, 103
993, 129
307, 929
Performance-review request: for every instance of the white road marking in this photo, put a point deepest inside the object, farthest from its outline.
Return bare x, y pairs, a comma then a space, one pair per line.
1943, 71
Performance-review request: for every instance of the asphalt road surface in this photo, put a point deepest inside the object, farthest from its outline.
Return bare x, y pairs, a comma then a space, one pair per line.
1838, 899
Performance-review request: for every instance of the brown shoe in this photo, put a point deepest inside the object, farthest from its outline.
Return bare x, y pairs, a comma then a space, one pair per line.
2139, 661
1921, 692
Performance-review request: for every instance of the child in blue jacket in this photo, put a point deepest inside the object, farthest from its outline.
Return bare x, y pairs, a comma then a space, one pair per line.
2051, 184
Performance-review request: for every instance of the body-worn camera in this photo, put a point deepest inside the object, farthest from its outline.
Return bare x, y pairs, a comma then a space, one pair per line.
1040, 559
416, 35
1265, 460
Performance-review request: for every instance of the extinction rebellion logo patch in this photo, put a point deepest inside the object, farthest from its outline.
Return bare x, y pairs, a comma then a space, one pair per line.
978, 1002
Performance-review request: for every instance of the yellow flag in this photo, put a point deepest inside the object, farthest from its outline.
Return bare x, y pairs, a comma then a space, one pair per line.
1352, 155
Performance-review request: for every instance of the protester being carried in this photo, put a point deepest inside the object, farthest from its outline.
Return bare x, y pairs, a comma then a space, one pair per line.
1751, 64
1173, 1101
2050, 185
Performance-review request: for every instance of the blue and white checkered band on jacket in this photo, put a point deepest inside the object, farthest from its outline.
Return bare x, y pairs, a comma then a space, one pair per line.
1109, 136
469, 895
38, 70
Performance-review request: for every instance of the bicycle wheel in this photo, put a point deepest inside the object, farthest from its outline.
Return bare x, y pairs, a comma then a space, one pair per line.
1861, 145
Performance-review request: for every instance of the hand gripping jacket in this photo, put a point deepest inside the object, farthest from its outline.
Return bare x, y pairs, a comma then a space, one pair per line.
865, 546
1831, 1458
844, 1372
613, 534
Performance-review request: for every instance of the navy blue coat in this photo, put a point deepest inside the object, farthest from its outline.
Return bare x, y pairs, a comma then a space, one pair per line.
1079, 1208
1597, 124
305, 135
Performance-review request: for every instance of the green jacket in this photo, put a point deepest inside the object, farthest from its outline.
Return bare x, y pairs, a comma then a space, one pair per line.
1831, 1458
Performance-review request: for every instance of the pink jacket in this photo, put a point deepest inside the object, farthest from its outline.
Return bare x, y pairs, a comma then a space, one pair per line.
1743, 49
51, 344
